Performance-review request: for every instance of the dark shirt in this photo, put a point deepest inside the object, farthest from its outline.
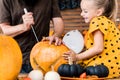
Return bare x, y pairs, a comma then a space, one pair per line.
11, 11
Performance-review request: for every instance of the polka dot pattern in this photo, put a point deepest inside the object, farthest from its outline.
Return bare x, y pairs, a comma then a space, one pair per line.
111, 54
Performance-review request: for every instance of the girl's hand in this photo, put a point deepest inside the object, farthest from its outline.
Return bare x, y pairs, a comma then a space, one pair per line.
28, 20
70, 54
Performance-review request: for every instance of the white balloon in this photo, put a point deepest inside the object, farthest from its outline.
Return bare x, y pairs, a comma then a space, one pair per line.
52, 75
74, 40
36, 75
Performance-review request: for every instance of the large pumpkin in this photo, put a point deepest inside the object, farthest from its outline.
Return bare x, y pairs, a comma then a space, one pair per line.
45, 55
10, 58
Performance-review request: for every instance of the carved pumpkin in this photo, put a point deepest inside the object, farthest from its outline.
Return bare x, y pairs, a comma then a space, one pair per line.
44, 55
98, 70
10, 58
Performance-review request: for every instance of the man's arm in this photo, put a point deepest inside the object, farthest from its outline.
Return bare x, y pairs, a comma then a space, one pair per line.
58, 31
58, 26
12, 30
20, 28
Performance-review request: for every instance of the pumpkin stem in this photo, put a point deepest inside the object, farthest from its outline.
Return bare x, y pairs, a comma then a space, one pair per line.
52, 67
70, 61
95, 64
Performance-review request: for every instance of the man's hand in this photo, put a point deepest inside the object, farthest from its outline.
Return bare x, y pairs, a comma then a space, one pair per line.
52, 39
28, 20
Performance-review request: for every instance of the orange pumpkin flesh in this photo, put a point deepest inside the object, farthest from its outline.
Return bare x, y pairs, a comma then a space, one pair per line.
10, 58
47, 55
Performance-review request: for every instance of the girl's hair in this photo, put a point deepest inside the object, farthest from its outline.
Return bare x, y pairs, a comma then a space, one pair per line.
110, 8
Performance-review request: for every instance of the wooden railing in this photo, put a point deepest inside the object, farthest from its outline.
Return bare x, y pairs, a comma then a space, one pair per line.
73, 20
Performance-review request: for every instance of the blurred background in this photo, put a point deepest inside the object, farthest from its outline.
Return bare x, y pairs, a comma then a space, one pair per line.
70, 10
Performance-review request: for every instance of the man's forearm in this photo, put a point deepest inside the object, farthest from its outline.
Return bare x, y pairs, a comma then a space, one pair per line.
58, 27
12, 30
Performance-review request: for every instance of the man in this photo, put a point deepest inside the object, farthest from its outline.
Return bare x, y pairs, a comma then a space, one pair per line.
14, 22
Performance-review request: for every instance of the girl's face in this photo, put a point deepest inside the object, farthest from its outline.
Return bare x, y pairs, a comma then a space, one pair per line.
89, 10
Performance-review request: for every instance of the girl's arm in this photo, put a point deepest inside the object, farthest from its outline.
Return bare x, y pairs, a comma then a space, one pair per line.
96, 49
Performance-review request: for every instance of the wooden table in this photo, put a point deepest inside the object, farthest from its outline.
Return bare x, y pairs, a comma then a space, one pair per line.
22, 76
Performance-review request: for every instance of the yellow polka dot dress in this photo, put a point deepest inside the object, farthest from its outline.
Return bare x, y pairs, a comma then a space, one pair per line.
111, 54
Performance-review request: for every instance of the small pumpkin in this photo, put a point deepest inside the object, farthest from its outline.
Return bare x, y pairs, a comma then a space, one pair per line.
45, 55
70, 70
98, 70
10, 58
35, 75
27, 78
83, 75
52, 75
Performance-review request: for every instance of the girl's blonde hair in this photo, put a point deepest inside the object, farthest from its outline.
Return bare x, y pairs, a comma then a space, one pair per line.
110, 8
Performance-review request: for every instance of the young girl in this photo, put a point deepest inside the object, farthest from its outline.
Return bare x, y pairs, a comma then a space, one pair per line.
103, 38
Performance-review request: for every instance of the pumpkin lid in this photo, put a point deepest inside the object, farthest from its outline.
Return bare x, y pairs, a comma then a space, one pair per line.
74, 40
